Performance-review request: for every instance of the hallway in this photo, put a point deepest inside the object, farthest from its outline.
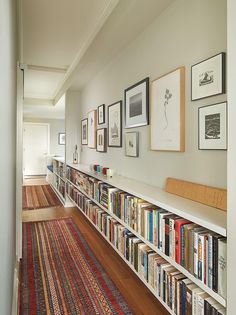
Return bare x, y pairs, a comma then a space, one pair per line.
128, 285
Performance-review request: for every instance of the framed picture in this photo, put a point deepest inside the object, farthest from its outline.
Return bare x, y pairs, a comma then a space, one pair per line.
115, 125
212, 127
92, 125
137, 104
84, 131
62, 138
132, 144
102, 140
208, 77
101, 114
167, 111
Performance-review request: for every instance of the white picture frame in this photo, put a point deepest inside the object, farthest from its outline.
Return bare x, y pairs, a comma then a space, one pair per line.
102, 140
212, 127
132, 144
168, 112
92, 126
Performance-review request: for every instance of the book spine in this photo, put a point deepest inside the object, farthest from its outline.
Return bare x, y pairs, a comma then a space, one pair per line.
151, 226
222, 267
210, 261
182, 245
215, 264
195, 262
177, 243
200, 256
167, 237
154, 216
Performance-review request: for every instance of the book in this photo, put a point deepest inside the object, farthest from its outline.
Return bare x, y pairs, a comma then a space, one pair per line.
194, 299
215, 262
178, 224
196, 231
187, 245
189, 298
175, 281
222, 267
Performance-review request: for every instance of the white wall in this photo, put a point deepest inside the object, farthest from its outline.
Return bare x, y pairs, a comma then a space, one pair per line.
187, 32
231, 216
56, 126
7, 155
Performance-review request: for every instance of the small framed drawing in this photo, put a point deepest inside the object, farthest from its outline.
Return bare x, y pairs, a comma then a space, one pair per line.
167, 111
92, 125
62, 138
132, 144
212, 127
115, 125
102, 140
84, 131
208, 77
101, 114
137, 104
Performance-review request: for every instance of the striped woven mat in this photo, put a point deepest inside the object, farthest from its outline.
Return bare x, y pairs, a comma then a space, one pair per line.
39, 196
61, 275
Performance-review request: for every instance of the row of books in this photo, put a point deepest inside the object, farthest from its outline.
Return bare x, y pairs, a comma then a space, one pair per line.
200, 251
59, 184
181, 295
58, 168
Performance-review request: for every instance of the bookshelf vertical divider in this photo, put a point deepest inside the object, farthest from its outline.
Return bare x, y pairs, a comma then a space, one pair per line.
216, 223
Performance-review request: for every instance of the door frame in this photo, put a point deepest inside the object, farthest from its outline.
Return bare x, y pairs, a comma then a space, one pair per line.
48, 135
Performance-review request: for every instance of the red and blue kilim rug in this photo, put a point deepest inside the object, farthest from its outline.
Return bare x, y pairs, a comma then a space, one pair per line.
39, 196
61, 275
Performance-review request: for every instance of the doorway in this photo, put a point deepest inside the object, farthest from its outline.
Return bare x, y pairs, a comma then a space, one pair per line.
35, 148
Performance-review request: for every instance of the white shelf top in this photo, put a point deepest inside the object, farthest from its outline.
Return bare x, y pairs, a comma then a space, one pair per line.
208, 217
59, 158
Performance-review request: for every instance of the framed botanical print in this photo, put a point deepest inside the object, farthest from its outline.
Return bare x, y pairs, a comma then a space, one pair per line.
208, 77
132, 144
137, 104
102, 140
92, 126
62, 138
84, 131
167, 111
212, 127
115, 124
101, 114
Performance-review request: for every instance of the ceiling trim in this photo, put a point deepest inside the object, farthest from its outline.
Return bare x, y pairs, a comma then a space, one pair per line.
64, 84
38, 101
45, 68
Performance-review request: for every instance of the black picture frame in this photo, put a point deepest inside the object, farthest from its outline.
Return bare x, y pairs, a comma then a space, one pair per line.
84, 122
99, 109
221, 67
61, 138
103, 147
140, 105
213, 111
118, 143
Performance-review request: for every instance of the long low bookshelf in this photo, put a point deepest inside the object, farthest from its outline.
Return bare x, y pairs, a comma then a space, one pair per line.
122, 183
56, 177
208, 217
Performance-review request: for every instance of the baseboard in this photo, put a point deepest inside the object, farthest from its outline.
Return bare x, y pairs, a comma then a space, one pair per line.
15, 295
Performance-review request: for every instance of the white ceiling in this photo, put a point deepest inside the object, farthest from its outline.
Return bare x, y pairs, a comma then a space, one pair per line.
65, 42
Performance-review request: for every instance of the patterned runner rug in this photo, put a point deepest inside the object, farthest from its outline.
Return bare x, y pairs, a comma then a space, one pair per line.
61, 275
40, 196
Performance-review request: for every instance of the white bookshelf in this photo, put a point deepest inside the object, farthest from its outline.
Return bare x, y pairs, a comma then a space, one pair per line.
208, 217
51, 179
199, 283
126, 261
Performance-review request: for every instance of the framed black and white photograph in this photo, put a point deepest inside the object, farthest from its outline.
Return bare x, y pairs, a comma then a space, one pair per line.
167, 112
84, 131
115, 125
101, 114
62, 138
208, 77
132, 144
137, 104
102, 140
92, 126
212, 127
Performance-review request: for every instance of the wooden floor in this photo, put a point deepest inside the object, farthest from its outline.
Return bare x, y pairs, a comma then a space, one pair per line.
140, 299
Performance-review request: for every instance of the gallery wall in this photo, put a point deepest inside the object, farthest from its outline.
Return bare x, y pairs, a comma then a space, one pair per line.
56, 126
186, 33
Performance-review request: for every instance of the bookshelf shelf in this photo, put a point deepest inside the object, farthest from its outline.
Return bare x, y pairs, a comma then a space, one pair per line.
127, 262
208, 217
199, 283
